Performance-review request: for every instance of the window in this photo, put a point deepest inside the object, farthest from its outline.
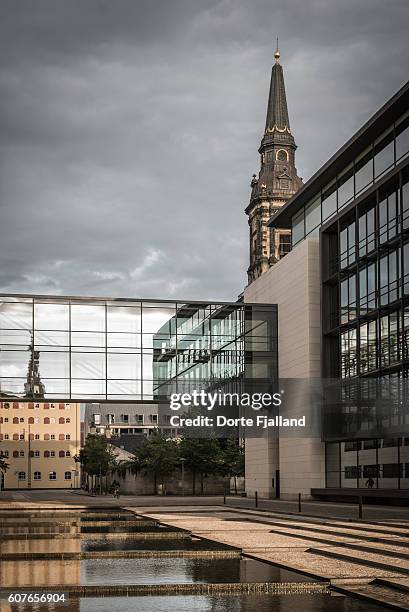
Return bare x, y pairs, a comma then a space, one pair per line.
312, 215
37, 475
67, 453
384, 153
348, 354
125, 418
67, 475
21, 436
46, 453
21, 454
389, 278
153, 418
36, 453
282, 155
111, 419
347, 245
367, 289
52, 437
348, 299
36, 436
68, 420
352, 471
346, 187
139, 419
5, 454
96, 419
329, 200
392, 470
367, 347
21, 419
285, 244
270, 156
21, 475
52, 476
67, 437
61, 453
388, 218
351, 445
52, 453
6, 436
402, 137
363, 170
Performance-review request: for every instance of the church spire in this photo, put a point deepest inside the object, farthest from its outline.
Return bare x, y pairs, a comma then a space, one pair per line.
276, 182
277, 111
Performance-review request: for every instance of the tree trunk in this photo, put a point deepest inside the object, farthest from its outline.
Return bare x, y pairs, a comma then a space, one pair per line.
201, 484
235, 485
194, 482
154, 483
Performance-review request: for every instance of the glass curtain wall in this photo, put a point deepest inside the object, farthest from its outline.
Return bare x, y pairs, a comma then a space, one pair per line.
129, 350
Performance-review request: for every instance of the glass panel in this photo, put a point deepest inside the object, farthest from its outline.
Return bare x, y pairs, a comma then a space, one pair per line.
54, 365
124, 340
51, 316
368, 467
87, 318
405, 206
52, 338
329, 200
345, 187
124, 365
298, 227
312, 215
16, 337
384, 153
406, 268
88, 365
124, 319
16, 315
349, 469
383, 221
87, 339
388, 464
402, 138
13, 364
56, 388
363, 170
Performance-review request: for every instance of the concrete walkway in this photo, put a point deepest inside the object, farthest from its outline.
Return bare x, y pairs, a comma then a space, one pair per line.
367, 560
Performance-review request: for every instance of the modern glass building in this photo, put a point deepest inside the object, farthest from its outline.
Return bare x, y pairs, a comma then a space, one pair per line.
112, 350
357, 204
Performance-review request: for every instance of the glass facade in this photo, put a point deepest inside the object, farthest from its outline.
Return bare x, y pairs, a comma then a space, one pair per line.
374, 463
93, 349
370, 288
368, 167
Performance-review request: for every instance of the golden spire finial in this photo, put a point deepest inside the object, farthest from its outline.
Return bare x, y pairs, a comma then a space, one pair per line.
277, 52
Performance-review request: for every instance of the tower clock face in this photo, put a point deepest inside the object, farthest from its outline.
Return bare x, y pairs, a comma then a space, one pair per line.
282, 155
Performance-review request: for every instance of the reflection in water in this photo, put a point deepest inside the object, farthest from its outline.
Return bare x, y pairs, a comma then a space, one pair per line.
140, 571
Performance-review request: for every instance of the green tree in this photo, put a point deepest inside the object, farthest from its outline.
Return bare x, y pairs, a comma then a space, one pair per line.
4, 466
159, 457
202, 456
97, 457
232, 460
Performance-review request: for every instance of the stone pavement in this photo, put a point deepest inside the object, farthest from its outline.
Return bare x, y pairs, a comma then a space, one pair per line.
368, 560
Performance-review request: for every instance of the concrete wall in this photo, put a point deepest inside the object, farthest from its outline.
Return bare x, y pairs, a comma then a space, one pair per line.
294, 285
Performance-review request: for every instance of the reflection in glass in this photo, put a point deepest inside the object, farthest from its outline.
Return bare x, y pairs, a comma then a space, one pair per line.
87, 318
16, 315
51, 316
54, 365
13, 363
88, 365
124, 319
15, 337
123, 365
384, 153
87, 339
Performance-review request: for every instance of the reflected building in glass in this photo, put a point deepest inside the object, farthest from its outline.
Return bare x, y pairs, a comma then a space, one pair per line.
91, 349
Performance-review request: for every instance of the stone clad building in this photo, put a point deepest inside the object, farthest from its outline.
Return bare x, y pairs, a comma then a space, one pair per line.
276, 183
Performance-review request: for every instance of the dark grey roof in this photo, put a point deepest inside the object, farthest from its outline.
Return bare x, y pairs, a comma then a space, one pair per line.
277, 111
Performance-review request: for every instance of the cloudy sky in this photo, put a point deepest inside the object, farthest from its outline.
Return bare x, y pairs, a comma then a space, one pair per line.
129, 130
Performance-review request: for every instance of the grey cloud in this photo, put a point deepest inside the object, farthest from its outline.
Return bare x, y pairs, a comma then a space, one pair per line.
130, 130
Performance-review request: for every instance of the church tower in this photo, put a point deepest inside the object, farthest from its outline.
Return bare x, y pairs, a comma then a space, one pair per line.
276, 183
